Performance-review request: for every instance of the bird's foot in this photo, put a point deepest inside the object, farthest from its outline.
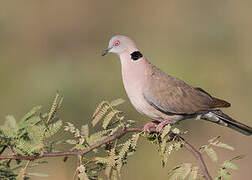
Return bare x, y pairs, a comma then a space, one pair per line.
150, 125
162, 124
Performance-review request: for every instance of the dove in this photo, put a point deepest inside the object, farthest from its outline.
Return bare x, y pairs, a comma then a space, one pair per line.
162, 97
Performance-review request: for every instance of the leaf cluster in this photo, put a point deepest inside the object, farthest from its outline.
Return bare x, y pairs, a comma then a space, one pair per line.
190, 172
31, 135
107, 160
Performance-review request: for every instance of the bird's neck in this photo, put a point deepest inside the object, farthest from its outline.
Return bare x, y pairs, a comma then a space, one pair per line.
133, 72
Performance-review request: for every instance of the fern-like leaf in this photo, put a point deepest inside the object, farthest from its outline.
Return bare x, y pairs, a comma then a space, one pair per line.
97, 136
122, 154
117, 102
229, 165
82, 173
134, 140
165, 131
108, 118
30, 114
223, 145
211, 153
225, 175
194, 173
100, 114
98, 108
10, 122
84, 130
53, 129
103, 160
53, 108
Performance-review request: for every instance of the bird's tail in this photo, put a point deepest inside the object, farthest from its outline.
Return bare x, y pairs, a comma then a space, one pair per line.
217, 116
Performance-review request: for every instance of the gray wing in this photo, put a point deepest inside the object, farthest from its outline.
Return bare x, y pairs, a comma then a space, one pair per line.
171, 95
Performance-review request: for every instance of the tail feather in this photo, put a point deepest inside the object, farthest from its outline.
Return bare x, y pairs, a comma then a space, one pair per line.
217, 116
220, 103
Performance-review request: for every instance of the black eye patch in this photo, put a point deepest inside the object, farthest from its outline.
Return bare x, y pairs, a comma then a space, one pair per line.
136, 55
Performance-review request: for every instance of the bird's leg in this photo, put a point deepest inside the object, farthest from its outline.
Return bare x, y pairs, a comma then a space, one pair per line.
151, 124
162, 124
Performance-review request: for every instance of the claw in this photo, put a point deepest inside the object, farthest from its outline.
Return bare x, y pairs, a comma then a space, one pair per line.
161, 125
149, 125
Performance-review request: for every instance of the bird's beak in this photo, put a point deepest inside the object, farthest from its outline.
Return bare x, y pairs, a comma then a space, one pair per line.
106, 51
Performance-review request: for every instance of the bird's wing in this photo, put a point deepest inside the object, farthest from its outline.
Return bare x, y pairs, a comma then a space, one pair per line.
171, 95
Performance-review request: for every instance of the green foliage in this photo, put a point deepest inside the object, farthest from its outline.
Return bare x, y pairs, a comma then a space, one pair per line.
116, 153
106, 111
188, 171
224, 172
31, 136
82, 173
7, 171
214, 142
167, 141
183, 171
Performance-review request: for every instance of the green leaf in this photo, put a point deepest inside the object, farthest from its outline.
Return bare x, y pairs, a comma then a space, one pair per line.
165, 157
212, 154
187, 167
53, 129
23, 147
98, 108
54, 107
108, 118
29, 122
98, 136
178, 173
238, 157
10, 122
82, 173
176, 131
223, 145
30, 113
10, 128
165, 131
163, 146
114, 130
103, 160
117, 102
194, 173
224, 174
100, 114
134, 140
122, 154
71, 141
229, 165
35, 133
177, 145
84, 130
16, 166
174, 169
213, 139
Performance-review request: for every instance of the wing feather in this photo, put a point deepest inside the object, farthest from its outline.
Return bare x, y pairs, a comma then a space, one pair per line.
172, 95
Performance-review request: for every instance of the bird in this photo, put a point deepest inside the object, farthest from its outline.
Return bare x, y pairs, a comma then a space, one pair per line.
162, 97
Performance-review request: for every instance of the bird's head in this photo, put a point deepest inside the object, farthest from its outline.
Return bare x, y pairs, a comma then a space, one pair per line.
119, 44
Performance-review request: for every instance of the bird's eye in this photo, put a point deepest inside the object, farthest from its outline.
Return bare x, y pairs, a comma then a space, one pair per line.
116, 43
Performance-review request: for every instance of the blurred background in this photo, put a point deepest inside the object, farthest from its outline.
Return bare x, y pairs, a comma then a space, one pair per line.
47, 46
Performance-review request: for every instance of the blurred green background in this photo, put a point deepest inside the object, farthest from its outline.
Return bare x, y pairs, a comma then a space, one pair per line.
47, 46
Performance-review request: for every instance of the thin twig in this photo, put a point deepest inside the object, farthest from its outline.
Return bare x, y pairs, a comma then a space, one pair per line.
198, 156
113, 137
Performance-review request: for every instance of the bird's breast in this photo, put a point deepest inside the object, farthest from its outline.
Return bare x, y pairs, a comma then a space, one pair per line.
134, 81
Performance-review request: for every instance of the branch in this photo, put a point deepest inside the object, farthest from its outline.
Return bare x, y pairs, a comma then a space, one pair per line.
198, 156
117, 135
